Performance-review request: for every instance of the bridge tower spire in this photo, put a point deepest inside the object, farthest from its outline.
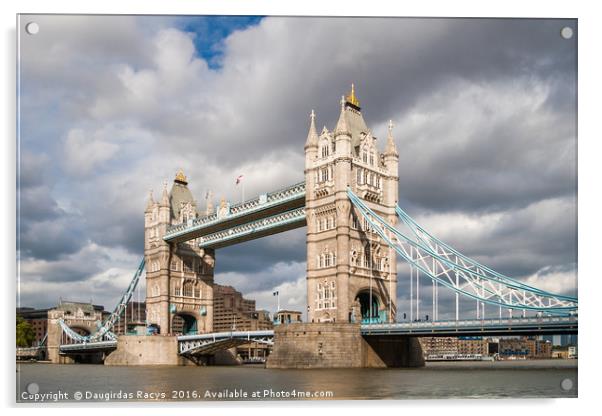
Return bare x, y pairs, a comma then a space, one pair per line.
179, 276
351, 275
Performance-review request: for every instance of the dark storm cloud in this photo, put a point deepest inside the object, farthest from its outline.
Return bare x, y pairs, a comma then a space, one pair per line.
253, 256
51, 239
46, 231
484, 112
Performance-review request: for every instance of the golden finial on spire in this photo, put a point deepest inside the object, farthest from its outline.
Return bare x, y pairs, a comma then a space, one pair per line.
351, 98
180, 177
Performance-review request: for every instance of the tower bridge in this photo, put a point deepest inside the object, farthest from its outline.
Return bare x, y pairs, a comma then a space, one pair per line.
355, 234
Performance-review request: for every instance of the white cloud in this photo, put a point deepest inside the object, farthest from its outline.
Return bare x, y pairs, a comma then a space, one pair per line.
293, 296
84, 154
95, 273
554, 280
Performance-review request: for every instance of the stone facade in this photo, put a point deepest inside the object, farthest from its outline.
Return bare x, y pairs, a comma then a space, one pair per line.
81, 317
351, 273
145, 350
179, 276
339, 345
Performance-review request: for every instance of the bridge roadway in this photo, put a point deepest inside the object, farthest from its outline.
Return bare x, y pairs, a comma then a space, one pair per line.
266, 214
209, 343
204, 344
28, 352
473, 327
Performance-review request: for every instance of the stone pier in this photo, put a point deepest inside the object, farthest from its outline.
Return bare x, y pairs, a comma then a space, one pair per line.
335, 345
135, 350
145, 350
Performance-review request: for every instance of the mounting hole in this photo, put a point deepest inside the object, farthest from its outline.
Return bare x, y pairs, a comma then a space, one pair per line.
566, 32
32, 28
33, 388
566, 384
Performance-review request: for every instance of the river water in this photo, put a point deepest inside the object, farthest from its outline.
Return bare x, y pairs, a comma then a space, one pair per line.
541, 378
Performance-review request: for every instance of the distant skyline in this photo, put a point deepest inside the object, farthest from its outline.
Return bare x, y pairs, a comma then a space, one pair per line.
484, 114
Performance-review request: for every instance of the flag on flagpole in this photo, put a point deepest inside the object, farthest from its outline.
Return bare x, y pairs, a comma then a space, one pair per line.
239, 179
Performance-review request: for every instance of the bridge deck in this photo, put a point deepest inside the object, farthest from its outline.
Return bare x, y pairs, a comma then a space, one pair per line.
88, 347
261, 207
212, 342
487, 327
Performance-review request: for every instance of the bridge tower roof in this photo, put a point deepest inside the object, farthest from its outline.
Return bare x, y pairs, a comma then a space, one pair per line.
179, 194
351, 116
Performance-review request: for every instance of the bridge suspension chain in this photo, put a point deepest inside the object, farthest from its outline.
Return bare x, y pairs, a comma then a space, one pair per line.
464, 276
450, 253
104, 332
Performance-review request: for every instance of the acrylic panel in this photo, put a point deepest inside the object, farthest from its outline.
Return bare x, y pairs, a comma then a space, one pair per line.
264, 208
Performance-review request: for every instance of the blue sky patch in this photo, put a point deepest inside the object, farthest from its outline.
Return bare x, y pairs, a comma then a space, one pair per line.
210, 32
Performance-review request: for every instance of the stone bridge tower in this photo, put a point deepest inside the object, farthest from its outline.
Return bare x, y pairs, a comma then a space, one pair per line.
179, 276
351, 273
83, 318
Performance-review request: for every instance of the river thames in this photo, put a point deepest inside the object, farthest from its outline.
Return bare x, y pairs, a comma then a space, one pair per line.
500, 379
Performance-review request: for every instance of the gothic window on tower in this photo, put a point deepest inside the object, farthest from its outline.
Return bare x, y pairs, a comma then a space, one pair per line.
188, 289
372, 158
197, 292
326, 295
325, 150
333, 295
200, 266
320, 296
177, 290
174, 265
188, 265
367, 260
324, 174
355, 224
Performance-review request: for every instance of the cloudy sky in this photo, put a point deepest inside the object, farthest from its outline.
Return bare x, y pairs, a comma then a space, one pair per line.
110, 107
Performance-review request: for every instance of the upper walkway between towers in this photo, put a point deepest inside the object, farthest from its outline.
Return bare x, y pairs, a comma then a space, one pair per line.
265, 214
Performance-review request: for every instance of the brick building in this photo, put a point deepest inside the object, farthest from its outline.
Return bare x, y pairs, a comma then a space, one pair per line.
232, 312
439, 346
524, 347
473, 346
38, 319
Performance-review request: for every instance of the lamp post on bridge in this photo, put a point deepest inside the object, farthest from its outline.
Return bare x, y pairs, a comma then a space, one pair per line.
277, 294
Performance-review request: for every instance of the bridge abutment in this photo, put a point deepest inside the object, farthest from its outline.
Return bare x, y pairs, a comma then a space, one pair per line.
340, 345
146, 350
